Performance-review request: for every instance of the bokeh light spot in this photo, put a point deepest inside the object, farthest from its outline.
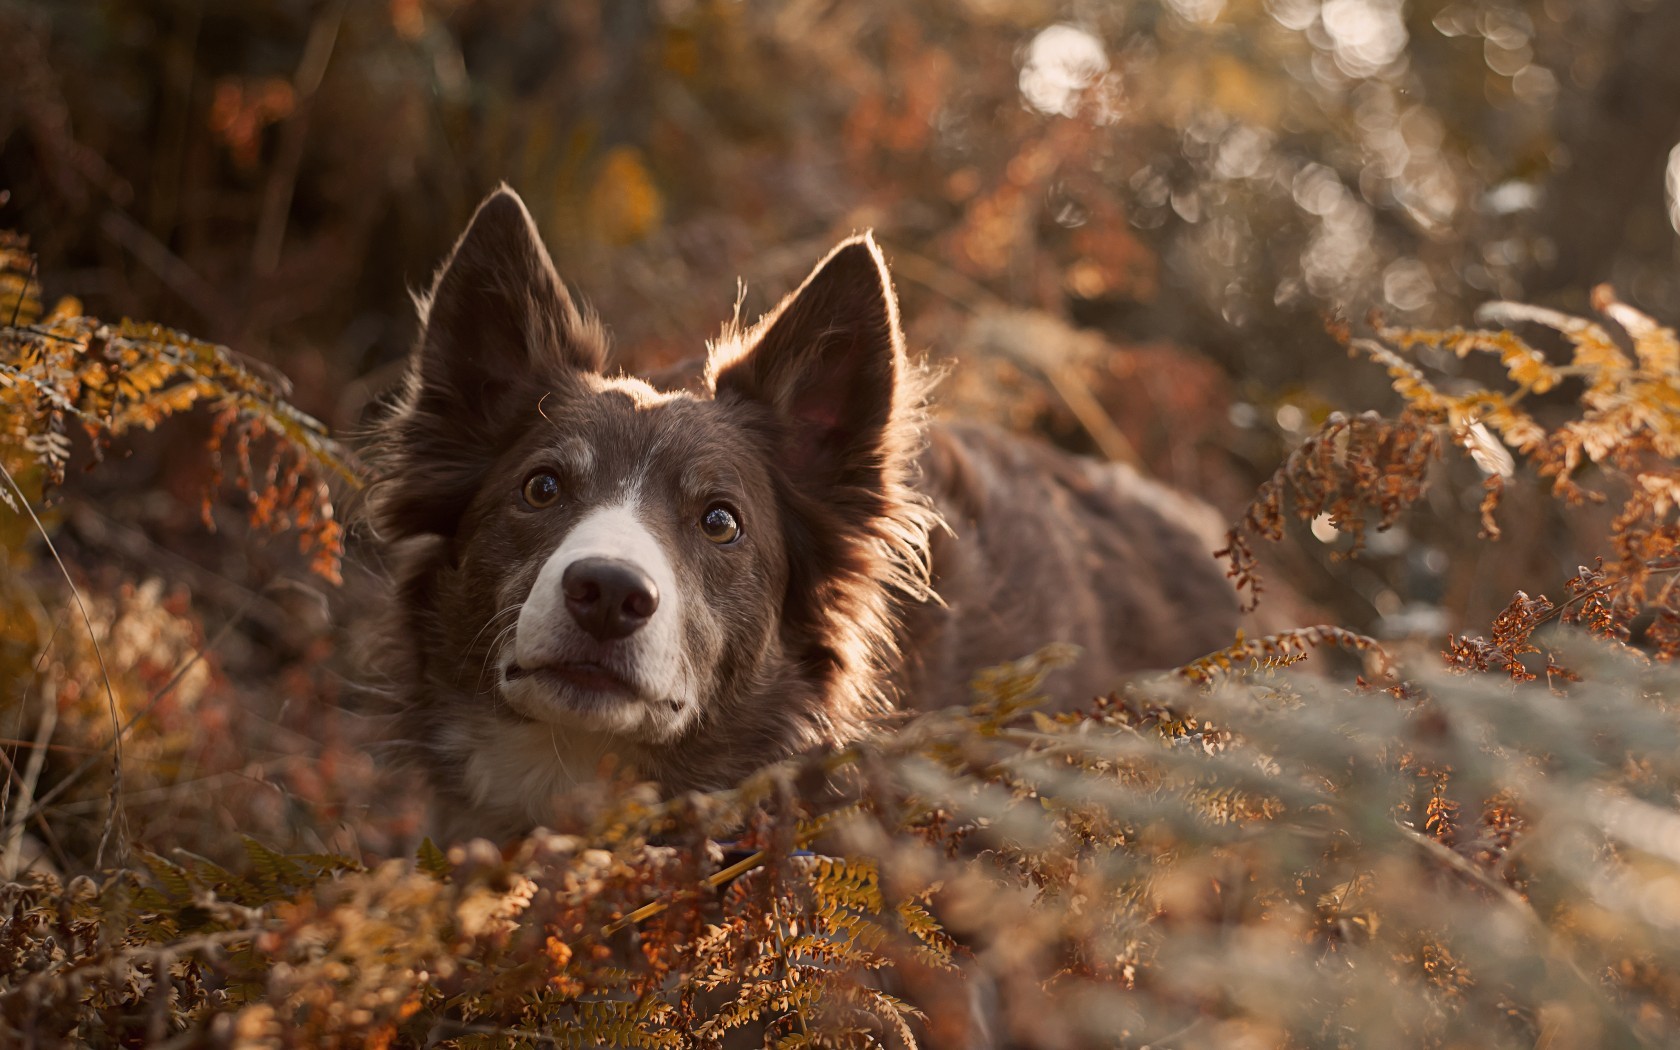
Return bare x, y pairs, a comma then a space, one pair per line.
1367, 35
1673, 182
1062, 62
1203, 11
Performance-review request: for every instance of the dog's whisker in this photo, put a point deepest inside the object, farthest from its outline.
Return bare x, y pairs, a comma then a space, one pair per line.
560, 759
490, 656
511, 610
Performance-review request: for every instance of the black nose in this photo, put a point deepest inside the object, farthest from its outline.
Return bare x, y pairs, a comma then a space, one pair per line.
609, 599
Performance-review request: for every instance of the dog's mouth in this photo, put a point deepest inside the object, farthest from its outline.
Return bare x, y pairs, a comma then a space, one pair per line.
584, 692
581, 675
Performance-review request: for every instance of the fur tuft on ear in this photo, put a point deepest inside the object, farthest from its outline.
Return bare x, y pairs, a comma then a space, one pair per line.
828, 363
499, 331
824, 381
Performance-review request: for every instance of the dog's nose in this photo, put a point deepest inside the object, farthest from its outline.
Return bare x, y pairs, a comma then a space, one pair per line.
608, 598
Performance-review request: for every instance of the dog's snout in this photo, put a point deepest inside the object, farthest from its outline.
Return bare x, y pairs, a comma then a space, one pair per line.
609, 598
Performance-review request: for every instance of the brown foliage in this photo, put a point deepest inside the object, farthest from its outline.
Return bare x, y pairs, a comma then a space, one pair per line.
1233, 856
60, 369
1622, 436
1131, 867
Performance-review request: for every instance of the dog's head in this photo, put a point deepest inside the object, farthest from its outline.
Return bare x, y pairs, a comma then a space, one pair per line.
700, 580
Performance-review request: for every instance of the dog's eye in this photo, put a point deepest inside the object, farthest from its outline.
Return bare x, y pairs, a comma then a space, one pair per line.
542, 489
720, 524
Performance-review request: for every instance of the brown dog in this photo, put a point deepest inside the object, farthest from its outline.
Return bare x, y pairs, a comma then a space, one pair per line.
699, 583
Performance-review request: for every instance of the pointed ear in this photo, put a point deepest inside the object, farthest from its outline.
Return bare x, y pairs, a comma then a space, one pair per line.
828, 363
497, 313
499, 331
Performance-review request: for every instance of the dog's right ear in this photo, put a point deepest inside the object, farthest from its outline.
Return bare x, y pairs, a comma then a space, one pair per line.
499, 332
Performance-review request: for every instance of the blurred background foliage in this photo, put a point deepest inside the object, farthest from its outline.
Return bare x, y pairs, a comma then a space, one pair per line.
1131, 226
1143, 230
1127, 221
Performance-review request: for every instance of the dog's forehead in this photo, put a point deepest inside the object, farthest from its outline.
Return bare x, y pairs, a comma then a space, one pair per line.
625, 432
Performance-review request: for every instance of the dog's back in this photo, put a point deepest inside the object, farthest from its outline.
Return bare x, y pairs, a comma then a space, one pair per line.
1046, 547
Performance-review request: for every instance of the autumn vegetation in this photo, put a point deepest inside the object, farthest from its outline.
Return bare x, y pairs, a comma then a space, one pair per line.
1446, 817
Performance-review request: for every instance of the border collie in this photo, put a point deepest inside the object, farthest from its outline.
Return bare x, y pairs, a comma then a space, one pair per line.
592, 571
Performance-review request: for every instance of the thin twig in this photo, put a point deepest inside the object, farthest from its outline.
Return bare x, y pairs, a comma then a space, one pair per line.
277, 198
1607, 585
114, 817
23, 704
17, 307
26, 782
175, 272
942, 280
448, 1028
713, 881
48, 835
965, 293
156, 698
1115, 445
15, 742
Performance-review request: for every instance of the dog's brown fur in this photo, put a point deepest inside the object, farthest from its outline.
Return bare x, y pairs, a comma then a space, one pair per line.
823, 614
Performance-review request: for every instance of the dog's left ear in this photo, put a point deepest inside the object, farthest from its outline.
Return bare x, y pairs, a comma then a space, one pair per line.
829, 362
499, 333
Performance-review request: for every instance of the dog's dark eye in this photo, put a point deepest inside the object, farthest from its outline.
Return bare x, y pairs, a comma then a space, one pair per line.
542, 489
720, 524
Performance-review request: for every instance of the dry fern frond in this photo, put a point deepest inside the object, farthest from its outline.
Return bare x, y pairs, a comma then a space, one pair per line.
1352, 467
1381, 852
1624, 430
1280, 650
60, 370
1440, 859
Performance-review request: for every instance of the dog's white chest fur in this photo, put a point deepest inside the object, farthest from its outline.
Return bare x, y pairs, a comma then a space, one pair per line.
520, 775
